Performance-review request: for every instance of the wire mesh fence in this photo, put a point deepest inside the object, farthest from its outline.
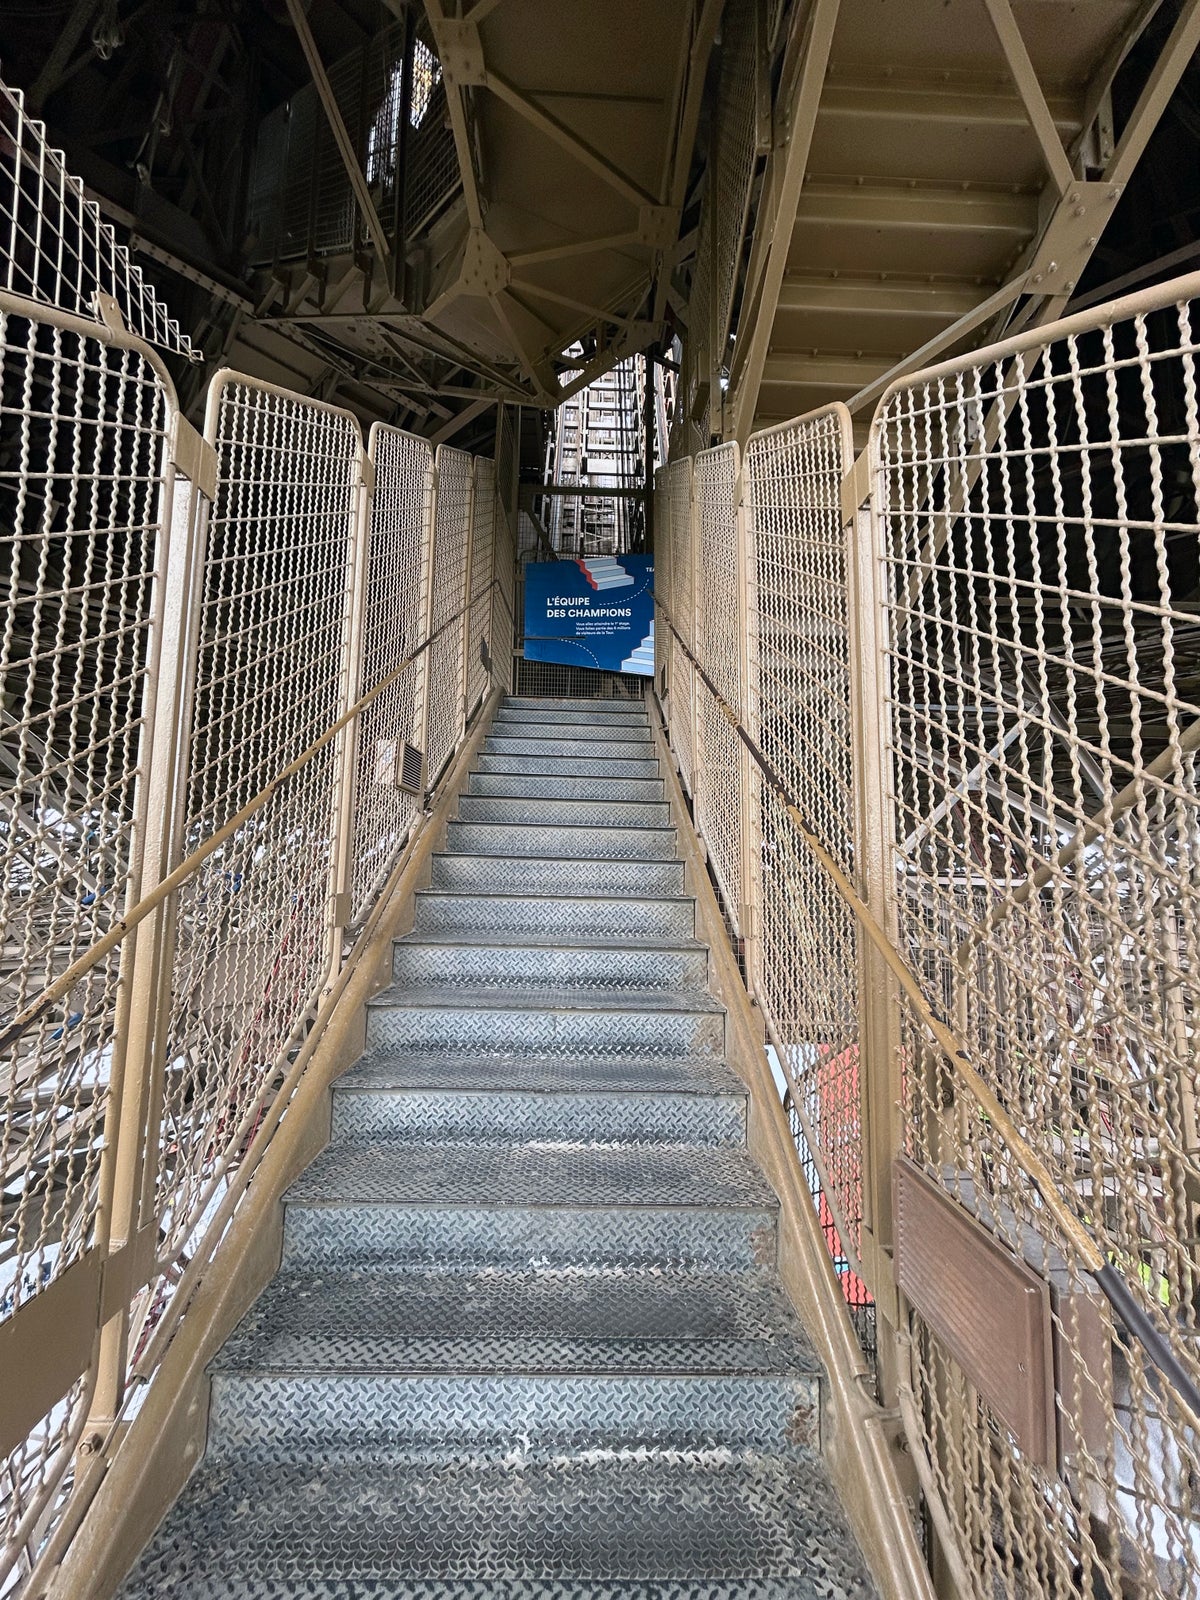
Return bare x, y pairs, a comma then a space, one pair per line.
196, 804
1037, 515
84, 504
972, 690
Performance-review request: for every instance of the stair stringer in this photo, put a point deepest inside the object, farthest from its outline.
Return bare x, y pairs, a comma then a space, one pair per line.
129, 1482
861, 1443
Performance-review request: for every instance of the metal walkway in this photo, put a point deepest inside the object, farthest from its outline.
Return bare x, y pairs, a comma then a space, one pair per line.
527, 1335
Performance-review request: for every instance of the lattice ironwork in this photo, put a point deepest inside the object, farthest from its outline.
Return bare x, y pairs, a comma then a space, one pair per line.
56, 248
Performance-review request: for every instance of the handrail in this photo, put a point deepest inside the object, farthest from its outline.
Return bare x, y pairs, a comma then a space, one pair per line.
1107, 1278
125, 925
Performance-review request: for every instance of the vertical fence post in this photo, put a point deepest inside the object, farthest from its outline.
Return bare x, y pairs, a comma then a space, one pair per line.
346, 746
693, 606
879, 1045
128, 1178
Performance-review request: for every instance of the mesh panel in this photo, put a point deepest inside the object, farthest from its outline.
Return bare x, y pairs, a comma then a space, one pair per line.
253, 946
720, 775
83, 427
1037, 523
54, 246
483, 536
801, 720
452, 531
394, 614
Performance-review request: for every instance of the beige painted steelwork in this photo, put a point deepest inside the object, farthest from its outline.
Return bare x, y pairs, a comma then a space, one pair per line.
928, 166
202, 750
973, 714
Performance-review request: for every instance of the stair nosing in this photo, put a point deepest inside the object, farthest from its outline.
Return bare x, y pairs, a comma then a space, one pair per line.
526, 997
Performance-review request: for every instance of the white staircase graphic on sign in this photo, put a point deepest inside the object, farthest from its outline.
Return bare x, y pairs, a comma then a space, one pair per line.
642, 659
605, 572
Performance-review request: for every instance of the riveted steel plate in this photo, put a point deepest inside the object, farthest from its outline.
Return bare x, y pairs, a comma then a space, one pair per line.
577, 813
990, 1309
560, 875
478, 959
539, 766
617, 1320
642, 1118
659, 1525
603, 844
474, 1233
563, 786
619, 916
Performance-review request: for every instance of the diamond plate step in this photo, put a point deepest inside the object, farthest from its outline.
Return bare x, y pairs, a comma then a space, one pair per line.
581, 767
635, 1319
657, 1021
523, 716
557, 874
588, 733
554, 1203
594, 749
569, 786
331, 1414
574, 813
476, 959
647, 1525
586, 916
559, 1073
511, 839
620, 704
487, 1110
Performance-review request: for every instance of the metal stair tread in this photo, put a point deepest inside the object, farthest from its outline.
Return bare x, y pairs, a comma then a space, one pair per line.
542, 997
525, 828
502, 940
497, 1175
633, 1524
604, 1320
544, 1074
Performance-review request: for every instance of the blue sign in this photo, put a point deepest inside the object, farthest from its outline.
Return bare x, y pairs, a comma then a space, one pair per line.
595, 612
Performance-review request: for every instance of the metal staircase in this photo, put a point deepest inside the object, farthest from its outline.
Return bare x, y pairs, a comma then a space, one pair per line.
527, 1335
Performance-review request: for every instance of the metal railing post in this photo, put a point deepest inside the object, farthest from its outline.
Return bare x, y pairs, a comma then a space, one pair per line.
128, 1180
879, 1084
466, 640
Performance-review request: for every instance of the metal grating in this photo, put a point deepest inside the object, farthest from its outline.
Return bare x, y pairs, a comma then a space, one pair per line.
800, 621
84, 425
1036, 525
54, 246
395, 605
253, 944
451, 543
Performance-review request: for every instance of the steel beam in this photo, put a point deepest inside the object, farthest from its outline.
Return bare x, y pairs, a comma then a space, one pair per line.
1026, 79
776, 229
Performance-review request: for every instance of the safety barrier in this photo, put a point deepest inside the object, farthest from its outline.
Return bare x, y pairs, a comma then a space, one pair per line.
223, 656
966, 696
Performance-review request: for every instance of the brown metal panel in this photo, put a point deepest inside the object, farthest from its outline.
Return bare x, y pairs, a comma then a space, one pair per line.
48, 1342
990, 1310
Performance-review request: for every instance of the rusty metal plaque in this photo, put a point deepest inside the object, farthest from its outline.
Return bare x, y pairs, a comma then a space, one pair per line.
989, 1309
